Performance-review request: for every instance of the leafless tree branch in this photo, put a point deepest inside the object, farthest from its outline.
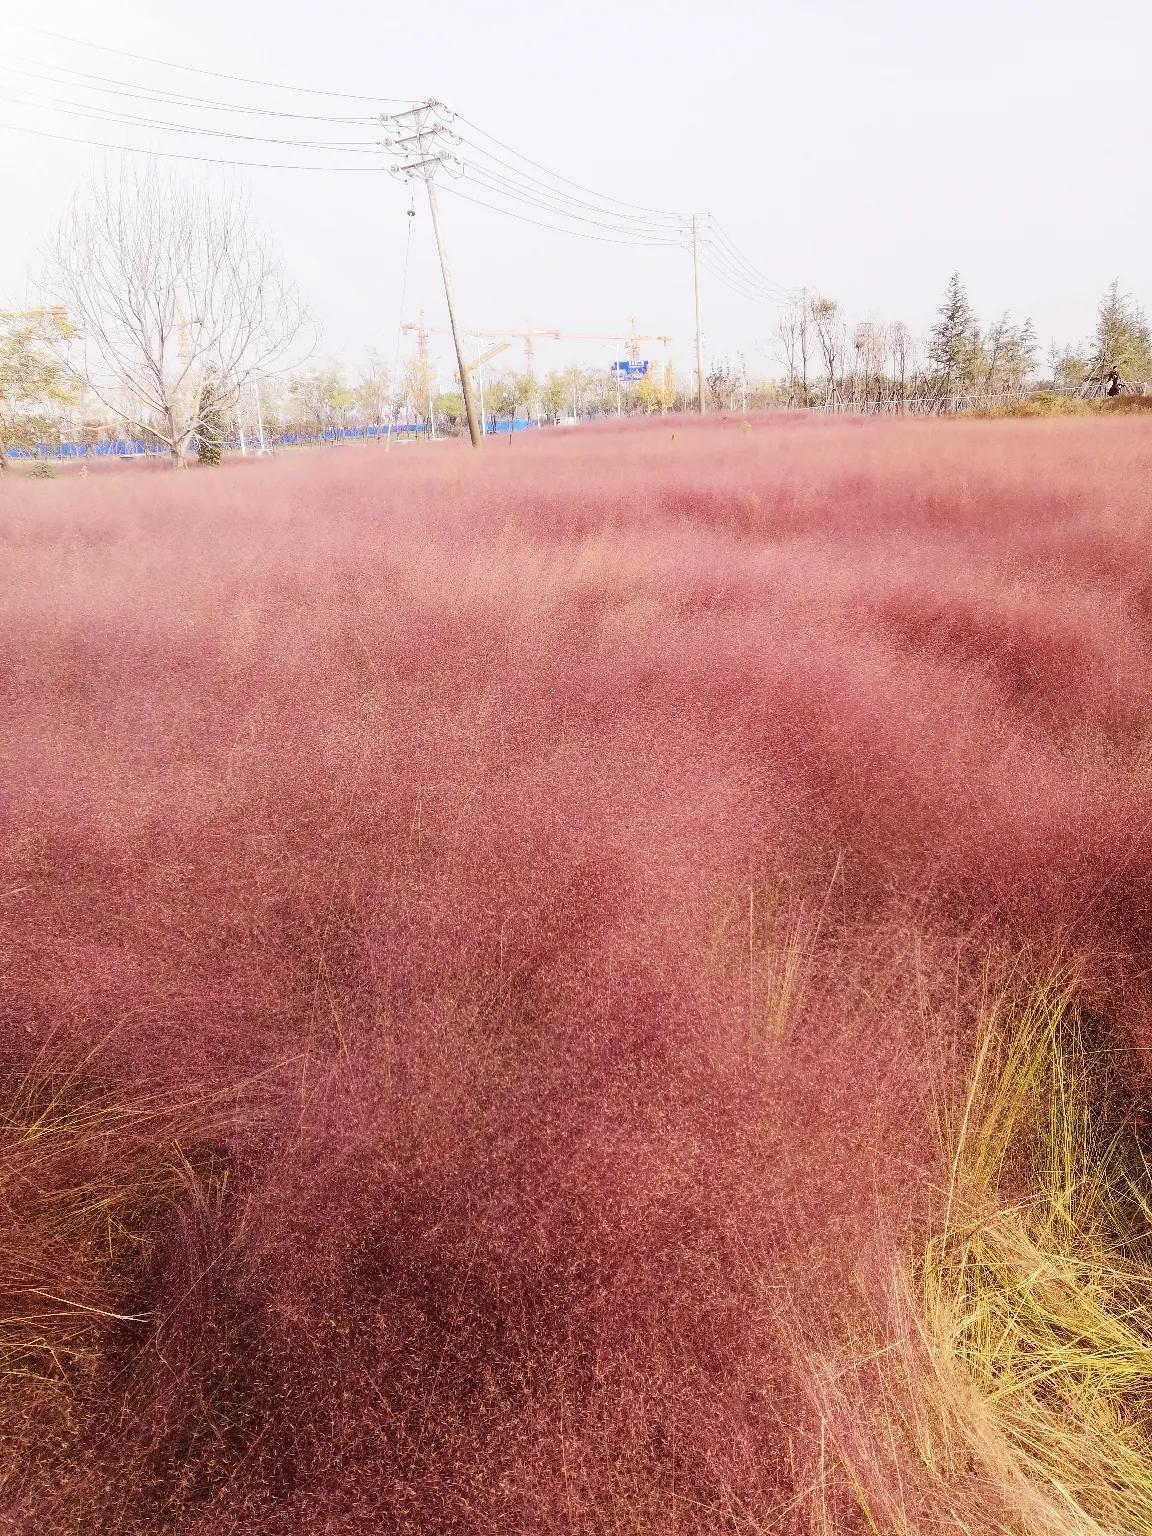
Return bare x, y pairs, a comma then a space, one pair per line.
168, 284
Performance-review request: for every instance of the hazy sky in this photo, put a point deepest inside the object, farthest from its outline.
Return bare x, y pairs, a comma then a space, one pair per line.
862, 149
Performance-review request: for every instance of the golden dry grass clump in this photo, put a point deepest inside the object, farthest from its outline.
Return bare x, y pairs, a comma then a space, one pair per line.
1029, 1320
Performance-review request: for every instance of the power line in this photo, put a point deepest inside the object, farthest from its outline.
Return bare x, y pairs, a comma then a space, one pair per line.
637, 223
110, 85
725, 278
132, 120
216, 74
623, 222
667, 212
490, 182
543, 188
646, 225
719, 273
169, 154
741, 261
601, 205
580, 234
721, 265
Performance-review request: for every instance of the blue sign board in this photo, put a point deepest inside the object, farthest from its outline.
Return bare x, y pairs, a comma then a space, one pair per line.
629, 370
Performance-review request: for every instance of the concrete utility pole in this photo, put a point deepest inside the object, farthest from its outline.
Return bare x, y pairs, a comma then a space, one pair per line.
420, 154
699, 333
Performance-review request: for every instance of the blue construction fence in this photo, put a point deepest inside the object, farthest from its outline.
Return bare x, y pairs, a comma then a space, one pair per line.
140, 448
114, 448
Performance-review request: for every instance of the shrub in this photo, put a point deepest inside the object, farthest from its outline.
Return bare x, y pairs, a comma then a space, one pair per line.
1127, 405
1043, 402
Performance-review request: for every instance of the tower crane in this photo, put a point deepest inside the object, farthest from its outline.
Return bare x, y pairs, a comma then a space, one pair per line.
423, 331
57, 311
632, 338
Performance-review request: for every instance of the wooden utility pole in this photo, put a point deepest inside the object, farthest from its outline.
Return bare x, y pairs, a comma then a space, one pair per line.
421, 154
699, 333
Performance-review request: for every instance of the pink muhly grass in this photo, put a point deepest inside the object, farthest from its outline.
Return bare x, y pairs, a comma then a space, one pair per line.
506, 925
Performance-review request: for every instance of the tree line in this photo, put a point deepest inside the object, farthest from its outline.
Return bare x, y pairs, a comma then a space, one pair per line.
875, 365
173, 314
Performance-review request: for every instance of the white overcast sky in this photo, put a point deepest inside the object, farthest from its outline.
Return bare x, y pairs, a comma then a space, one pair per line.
862, 149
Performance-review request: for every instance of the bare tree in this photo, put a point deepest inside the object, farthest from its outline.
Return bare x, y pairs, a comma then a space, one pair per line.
869, 343
169, 285
722, 385
900, 346
790, 330
373, 392
793, 332
829, 328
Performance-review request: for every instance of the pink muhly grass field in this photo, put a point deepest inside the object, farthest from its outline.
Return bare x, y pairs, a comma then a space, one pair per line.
484, 938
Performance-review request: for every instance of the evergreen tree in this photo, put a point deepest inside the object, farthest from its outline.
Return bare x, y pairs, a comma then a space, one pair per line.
1027, 346
1070, 367
954, 348
210, 433
1009, 356
1123, 341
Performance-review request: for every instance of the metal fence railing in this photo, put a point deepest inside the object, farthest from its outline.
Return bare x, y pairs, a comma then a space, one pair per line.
842, 402
296, 437
938, 403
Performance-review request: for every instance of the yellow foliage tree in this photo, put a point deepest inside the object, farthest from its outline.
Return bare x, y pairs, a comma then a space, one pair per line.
34, 381
656, 391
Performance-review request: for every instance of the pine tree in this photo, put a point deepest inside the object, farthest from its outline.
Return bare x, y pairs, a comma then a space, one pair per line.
1008, 355
1027, 347
955, 344
210, 434
1123, 341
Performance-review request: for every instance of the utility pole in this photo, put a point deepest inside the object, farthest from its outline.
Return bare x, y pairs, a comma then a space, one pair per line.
699, 333
420, 154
